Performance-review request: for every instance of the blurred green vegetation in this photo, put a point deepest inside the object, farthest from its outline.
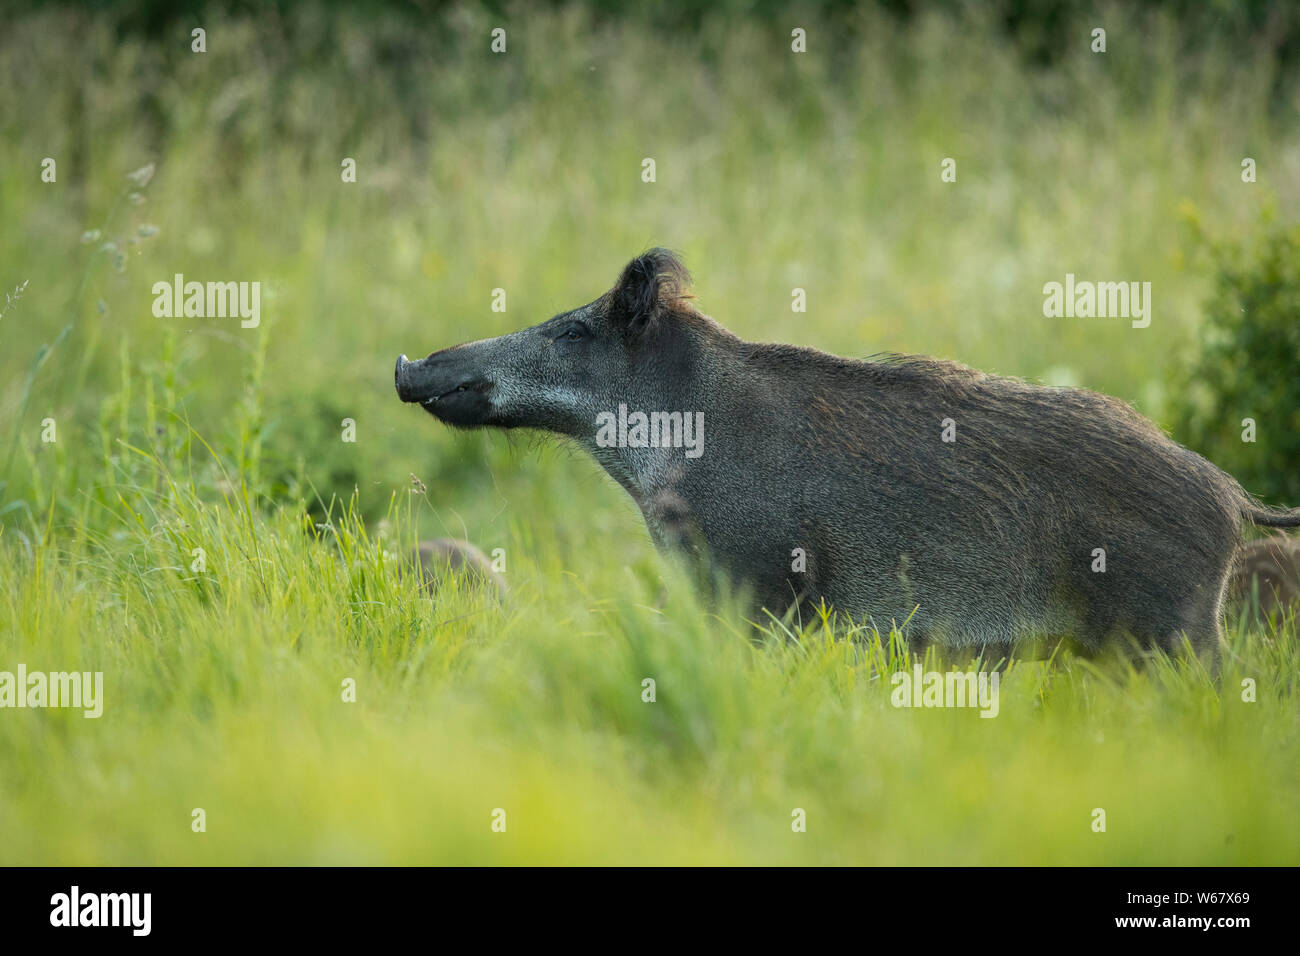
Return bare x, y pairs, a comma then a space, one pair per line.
522, 171
1249, 367
1036, 27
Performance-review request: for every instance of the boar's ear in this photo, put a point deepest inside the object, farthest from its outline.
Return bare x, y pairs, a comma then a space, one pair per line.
649, 286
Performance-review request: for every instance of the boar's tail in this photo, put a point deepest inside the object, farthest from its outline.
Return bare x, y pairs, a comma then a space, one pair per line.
1268, 517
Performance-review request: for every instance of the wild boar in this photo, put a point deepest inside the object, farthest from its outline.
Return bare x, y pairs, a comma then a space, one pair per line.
984, 509
1266, 578
434, 558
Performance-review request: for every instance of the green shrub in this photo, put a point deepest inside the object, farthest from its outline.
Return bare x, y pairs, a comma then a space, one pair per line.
1249, 367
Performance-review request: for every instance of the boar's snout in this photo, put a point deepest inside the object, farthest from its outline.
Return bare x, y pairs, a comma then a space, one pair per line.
432, 379
447, 384
402, 379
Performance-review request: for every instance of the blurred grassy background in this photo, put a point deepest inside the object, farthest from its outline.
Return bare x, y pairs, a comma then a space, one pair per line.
522, 171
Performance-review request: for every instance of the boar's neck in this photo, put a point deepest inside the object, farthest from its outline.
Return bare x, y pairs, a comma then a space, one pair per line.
710, 379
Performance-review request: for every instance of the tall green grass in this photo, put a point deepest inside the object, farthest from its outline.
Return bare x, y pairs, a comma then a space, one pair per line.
224, 691
224, 686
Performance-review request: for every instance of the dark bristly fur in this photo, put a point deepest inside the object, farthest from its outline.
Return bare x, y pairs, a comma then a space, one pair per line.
986, 540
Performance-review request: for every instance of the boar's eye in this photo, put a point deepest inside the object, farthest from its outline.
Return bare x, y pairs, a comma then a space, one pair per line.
574, 333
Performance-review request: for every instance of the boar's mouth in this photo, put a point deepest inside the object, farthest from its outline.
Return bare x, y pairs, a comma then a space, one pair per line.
454, 395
